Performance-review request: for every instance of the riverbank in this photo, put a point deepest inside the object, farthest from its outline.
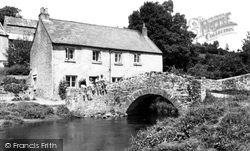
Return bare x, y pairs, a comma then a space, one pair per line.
214, 124
13, 113
17, 113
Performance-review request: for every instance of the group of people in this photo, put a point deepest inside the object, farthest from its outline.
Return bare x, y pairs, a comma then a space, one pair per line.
96, 86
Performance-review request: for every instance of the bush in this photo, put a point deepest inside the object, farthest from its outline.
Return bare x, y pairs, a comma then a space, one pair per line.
15, 88
63, 111
31, 110
216, 124
62, 89
15, 119
7, 123
9, 80
18, 70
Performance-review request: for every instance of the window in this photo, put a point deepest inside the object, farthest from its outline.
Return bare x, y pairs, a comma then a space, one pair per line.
97, 56
71, 81
70, 53
137, 59
116, 79
118, 58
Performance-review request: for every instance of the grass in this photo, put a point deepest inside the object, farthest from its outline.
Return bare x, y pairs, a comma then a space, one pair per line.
17, 113
221, 124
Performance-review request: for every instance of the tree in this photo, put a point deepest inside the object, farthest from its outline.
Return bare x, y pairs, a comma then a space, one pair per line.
9, 11
18, 52
246, 44
167, 30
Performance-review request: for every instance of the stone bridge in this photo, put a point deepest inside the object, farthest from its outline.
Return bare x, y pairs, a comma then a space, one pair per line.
137, 92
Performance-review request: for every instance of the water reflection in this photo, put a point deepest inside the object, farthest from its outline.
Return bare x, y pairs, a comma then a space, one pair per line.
84, 134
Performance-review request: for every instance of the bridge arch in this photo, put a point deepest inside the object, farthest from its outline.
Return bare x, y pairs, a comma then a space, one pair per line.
145, 97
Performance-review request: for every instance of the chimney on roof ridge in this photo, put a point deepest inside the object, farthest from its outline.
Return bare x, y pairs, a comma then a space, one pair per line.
144, 30
44, 15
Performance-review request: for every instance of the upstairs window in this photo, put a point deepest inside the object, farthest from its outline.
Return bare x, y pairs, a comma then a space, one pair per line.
70, 53
118, 58
71, 81
96, 56
137, 58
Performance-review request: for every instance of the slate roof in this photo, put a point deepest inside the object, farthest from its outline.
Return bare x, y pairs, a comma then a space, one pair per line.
19, 26
75, 33
2, 31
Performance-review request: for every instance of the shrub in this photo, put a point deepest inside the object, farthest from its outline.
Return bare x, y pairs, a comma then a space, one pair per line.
31, 110
14, 88
17, 99
9, 80
18, 70
217, 124
164, 108
63, 111
7, 123
62, 89
15, 119
26, 98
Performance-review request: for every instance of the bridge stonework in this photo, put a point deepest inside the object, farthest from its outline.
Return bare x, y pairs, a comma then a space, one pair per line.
180, 90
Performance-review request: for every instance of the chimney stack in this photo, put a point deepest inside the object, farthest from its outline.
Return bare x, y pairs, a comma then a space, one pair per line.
44, 15
144, 30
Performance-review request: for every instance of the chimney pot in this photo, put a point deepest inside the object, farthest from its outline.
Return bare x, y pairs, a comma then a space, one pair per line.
144, 30
44, 15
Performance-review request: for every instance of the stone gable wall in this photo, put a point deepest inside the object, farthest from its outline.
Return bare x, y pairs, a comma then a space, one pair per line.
40, 63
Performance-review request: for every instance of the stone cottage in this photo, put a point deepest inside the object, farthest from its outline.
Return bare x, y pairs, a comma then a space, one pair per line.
72, 51
3, 45
19, 28
15, 29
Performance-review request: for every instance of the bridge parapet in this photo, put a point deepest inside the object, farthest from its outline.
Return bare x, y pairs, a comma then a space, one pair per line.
241, 82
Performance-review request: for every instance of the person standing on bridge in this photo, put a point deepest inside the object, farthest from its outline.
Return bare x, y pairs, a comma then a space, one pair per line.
103, 82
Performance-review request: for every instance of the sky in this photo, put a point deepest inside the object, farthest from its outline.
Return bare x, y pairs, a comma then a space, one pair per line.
115, 12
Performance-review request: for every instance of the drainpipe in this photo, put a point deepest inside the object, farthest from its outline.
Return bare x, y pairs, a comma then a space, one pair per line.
110, 66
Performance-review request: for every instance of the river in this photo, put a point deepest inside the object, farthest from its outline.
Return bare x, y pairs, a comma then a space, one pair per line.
86, 134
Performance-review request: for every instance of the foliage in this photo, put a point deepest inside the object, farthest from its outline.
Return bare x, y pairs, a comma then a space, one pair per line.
9, 11
164, 108
31, 110
63, 111
216, 63
15, 88
215, 124
14, 119
167, 30
18, 70
9, 80
19, 52
62, 89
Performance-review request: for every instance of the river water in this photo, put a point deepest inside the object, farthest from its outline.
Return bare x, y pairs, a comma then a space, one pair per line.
85, 134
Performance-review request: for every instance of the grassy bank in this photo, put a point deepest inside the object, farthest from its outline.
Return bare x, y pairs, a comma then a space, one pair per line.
217, 124
18, 113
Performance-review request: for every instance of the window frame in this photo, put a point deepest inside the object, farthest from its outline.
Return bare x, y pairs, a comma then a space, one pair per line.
118, 58
96, 58
137, 59
68, 54
71, 80
115, 79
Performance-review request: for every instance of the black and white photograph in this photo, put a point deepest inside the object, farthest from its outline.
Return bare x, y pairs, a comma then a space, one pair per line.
124, 75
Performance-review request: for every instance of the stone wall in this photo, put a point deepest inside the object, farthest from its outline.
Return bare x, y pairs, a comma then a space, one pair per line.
241, 82
180, 90
40, 63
